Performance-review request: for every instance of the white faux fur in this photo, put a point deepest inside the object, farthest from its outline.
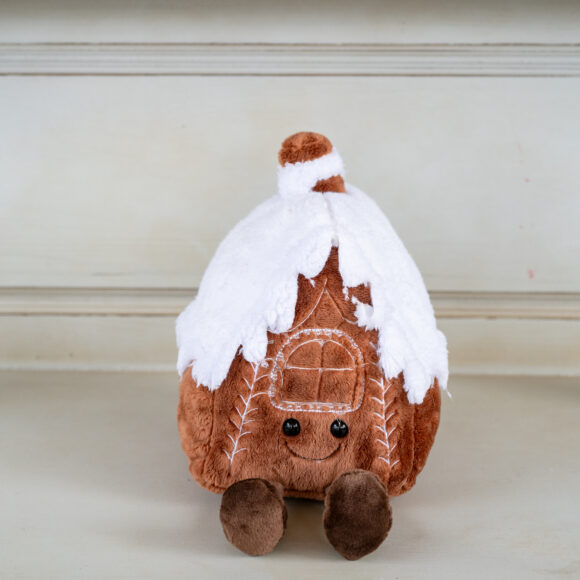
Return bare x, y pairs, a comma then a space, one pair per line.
299, 178
251, 286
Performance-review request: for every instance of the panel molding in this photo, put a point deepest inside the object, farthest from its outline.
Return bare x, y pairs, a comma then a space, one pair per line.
64, 301
520, 347
132, 329
205, 59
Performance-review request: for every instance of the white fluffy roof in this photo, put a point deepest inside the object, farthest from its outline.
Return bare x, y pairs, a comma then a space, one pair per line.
251, 285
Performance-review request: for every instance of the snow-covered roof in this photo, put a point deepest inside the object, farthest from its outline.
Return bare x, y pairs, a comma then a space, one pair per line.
250, 287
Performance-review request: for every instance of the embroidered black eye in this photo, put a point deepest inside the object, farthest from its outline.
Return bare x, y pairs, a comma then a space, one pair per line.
291, 427
339, 429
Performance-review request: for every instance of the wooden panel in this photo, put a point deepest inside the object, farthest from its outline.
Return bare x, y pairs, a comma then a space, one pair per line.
118, 183
132, 182
171, 301
513, 347
476, 346
290, 21
88, 343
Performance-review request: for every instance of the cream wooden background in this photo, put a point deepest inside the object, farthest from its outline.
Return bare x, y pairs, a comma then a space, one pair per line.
134, 135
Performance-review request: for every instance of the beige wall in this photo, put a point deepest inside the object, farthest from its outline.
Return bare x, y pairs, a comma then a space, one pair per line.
122, 166
375, 21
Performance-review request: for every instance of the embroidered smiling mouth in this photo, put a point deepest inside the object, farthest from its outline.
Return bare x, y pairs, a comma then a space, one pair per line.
311, 458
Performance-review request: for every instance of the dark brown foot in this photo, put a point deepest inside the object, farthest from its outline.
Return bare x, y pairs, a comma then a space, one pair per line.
357, 517
253, 515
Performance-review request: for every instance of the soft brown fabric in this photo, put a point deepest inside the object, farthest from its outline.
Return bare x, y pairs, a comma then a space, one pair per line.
253, 515
195, 420
425, 422
335, 184
303, 146
235, 432
357, 515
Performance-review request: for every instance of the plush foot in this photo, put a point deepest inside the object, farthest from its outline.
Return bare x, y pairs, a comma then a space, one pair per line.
253, 515
357, 517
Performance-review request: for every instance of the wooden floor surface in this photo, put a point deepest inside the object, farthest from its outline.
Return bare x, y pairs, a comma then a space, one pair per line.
94, 485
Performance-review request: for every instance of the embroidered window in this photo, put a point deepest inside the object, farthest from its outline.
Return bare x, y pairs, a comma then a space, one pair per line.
318, 370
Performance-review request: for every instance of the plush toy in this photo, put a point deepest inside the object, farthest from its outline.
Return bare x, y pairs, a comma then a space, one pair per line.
310, 361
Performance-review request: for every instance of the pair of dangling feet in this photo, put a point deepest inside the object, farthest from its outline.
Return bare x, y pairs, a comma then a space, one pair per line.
357, 514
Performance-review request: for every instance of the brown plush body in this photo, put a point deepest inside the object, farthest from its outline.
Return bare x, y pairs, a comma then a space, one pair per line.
235, 432
356, 438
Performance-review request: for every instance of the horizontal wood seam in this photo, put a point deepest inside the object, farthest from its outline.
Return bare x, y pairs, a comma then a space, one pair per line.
271, 59
65, 301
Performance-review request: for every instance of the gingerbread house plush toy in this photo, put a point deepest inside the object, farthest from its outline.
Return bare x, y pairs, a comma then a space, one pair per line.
310, 361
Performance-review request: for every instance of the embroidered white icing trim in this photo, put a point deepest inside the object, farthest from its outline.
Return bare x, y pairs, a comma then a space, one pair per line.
244, 408
299, 178
384, 416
